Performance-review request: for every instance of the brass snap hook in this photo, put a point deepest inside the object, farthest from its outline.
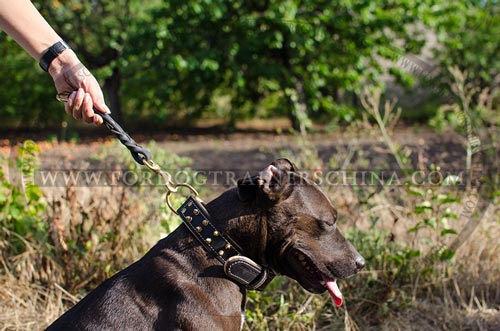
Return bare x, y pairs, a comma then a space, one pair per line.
151, 165
171, 187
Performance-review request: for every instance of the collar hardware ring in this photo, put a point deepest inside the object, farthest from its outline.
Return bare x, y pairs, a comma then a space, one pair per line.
194, 194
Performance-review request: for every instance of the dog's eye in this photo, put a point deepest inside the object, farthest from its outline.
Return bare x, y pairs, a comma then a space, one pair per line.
327, 225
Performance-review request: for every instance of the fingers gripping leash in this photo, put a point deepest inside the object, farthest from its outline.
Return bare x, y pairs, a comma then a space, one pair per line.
140, 154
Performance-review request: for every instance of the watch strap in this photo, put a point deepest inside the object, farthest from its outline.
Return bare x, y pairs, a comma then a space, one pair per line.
51, 53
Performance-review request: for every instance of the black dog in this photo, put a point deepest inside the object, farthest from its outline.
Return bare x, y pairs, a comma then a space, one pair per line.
279, 220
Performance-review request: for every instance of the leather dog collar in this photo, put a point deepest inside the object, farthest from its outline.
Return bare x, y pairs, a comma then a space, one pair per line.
237, 267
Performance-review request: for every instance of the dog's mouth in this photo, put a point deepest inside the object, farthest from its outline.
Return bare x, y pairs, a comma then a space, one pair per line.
309, 276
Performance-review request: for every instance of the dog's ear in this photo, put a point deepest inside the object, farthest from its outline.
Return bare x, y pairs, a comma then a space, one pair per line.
284, 164
269, 185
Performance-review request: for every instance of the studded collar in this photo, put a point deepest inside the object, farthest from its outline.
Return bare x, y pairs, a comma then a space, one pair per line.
237, 267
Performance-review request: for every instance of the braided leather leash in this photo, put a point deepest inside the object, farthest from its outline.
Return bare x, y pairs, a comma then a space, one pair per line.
139, 153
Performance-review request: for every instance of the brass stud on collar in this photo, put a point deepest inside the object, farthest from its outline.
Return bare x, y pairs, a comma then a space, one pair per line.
190, 203
228, 246
216, 233
196, 211
198, 229
221, 252
189, 219
183, 210
208, 240
204, 222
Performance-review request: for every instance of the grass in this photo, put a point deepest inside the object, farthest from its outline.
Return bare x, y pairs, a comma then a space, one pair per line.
29, 305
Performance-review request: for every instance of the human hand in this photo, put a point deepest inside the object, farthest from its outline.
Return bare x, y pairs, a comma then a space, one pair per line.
70, 76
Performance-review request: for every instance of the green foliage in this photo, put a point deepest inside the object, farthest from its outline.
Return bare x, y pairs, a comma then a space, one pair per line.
467, 32
22, 207
434, 212
283, 305
308, 51
342, 113
393, 265
27, 93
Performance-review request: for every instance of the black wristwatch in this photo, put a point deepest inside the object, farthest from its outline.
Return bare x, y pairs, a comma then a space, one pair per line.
51, 53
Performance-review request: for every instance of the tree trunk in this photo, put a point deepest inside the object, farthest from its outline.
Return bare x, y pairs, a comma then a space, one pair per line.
292, 116
297, 112
112, 87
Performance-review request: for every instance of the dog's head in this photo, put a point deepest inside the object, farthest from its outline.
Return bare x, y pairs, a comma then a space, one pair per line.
304, 242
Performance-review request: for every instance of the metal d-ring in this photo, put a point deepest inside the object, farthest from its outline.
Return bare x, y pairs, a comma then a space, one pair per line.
63, 97
195, 194
171, 186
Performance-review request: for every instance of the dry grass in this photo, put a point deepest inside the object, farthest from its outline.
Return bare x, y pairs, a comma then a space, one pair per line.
434, 316
468, 298
30, 306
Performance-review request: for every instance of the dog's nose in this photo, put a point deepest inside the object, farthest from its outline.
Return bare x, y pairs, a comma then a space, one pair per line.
360, 262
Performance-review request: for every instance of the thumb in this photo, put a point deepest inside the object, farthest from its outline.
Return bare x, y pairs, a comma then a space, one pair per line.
101, 106
94, 90
99, 103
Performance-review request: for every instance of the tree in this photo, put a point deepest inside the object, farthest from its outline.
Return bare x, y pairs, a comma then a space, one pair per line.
305, 52
171, 60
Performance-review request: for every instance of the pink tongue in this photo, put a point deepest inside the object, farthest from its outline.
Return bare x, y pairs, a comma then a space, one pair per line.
331, 286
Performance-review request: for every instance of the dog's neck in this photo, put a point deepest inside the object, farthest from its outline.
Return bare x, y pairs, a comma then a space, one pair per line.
243, 222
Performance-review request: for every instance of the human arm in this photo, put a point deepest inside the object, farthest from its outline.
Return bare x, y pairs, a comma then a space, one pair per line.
22, 21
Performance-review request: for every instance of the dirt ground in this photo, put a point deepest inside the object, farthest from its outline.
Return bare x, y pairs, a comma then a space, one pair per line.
249, 152
252, 150
212, 148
